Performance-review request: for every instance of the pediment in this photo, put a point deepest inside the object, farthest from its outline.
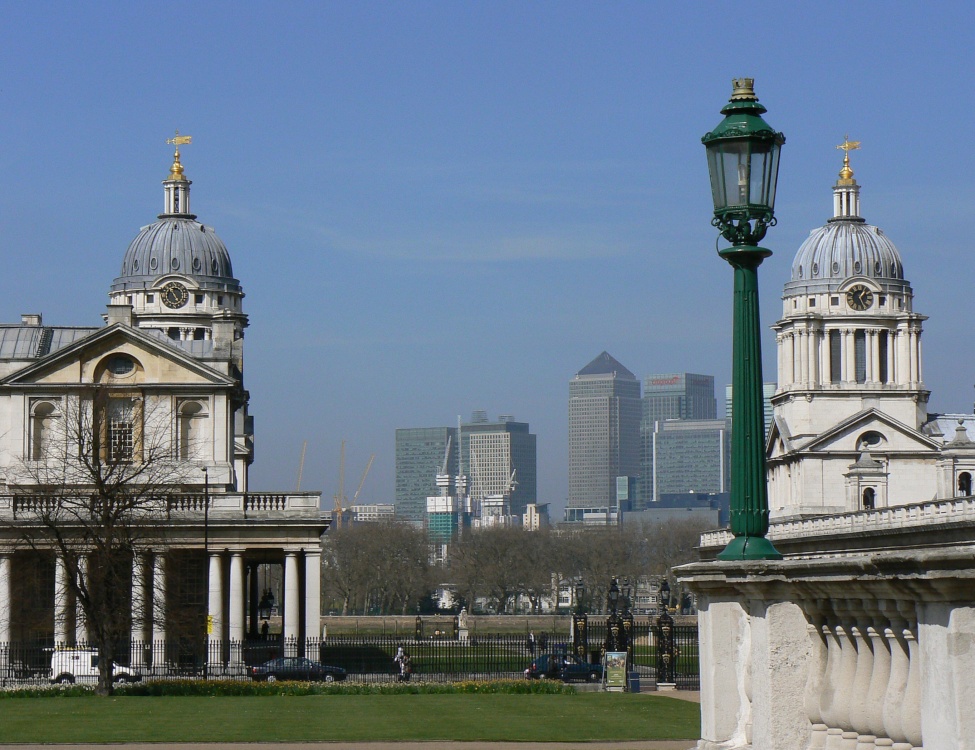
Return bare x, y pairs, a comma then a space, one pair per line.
89, 359
869, 430
779, 439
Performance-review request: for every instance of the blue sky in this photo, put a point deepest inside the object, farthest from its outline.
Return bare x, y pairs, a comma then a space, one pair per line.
436, 207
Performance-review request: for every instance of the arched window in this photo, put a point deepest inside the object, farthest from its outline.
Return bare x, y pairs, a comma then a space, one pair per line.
191, 418
869, 498
44, 422
965, 484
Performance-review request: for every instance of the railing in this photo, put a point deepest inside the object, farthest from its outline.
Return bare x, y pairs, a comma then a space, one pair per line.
247, 504
365, 658
894, 518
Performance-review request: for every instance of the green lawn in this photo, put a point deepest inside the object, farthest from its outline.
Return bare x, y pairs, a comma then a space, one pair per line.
554, 718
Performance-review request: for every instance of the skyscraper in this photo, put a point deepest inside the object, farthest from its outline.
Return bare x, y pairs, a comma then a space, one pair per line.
681, 395
495, 453
604, 431
419, 458
683, 448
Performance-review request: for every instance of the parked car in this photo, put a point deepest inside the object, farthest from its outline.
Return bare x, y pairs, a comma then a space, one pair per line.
296, 668
565, 667
71, 665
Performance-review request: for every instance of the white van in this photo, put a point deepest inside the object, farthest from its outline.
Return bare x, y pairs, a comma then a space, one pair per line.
81, 664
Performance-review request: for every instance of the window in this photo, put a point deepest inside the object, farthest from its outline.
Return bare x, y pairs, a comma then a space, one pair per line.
869, 498
44, 421
835, 357
965, 484
834, 301
121, 429
883, 376
191, 419
150, 298
198, 299
860, 355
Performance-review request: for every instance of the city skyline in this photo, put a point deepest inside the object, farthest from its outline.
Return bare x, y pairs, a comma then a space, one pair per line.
434, 208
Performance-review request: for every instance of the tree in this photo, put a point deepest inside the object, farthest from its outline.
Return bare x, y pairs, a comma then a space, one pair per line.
94, 490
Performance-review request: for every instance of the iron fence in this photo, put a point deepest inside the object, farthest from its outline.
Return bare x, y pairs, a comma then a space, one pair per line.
366, 658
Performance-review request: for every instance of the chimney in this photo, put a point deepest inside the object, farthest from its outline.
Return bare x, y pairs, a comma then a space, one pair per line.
119, 314
223, 335
30, 319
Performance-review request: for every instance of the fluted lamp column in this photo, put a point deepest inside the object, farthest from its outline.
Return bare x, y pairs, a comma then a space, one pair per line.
743, 160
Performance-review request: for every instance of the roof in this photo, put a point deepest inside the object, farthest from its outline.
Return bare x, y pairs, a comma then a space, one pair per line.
30, 342
176, 245
606, 364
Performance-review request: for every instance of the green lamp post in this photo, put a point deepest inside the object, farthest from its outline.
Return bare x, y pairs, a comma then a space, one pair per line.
743, 159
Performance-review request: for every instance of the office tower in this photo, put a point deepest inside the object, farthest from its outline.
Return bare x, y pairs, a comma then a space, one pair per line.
681, 395
682, 445
768, 390
419, 458
499, 459
604, 431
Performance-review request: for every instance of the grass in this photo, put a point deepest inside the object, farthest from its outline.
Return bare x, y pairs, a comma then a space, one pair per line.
497, 718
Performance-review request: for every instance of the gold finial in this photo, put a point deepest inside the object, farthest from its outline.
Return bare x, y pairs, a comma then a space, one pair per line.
846, 174
743, 88
176, 171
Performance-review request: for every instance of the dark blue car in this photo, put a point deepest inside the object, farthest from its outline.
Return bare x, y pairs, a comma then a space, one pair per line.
296, 668
565, 667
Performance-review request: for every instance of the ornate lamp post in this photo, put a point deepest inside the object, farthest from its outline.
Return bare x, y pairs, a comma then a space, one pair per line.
664, 632
743, 159
580, 634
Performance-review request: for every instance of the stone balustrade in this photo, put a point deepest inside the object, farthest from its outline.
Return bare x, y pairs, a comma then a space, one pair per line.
184, 505
958, 512
864, 652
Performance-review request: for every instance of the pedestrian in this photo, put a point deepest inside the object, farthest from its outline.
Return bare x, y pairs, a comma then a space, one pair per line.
265, 630
530, 643
543, 641
400, 661
407, 667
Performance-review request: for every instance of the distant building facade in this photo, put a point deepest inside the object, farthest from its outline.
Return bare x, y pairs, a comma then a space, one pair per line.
419, 458
684, 448
768, 390
604, 432
500, 460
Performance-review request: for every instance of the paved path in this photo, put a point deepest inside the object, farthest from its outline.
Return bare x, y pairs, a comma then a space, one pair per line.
444, 745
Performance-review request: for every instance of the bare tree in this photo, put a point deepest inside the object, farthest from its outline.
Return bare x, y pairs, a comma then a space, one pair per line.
93, 490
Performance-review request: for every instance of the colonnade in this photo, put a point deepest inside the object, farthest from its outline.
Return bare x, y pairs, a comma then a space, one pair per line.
232, 599
805, 356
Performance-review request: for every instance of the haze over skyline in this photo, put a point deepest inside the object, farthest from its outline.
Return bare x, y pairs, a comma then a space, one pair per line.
437, 207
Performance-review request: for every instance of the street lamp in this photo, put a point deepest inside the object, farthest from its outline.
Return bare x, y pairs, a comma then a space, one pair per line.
580, 592
580, 635
665, 595
743, 159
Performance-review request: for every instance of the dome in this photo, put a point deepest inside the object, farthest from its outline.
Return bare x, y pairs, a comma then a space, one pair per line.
846, 248
176, 245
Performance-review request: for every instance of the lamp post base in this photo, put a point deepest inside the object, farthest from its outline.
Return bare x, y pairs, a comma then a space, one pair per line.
750, 548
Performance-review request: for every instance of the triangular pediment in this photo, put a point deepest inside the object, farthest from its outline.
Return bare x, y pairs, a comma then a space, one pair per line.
85, 361
779, 438
869, 430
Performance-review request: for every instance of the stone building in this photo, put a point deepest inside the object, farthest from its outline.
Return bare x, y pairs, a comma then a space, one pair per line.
863, 635
156, 396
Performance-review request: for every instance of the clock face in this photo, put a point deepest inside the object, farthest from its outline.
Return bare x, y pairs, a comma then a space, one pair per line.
859, 297
174, 294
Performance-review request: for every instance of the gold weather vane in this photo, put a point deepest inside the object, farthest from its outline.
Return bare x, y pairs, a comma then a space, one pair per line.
176, 172
847, 145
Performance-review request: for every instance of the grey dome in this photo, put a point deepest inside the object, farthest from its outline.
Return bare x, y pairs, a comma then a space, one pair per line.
176, 245
843, 249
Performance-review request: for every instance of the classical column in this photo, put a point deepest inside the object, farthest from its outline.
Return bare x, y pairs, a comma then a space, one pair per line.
5, 603
313, 604
253, 598
891, 376
158, 610
849, 356
215, 598
236, 597
826, 359
803, 357
912, 346
139, 610
80, 621
60, 602
814, 338
788, 359
873, 357
291, 594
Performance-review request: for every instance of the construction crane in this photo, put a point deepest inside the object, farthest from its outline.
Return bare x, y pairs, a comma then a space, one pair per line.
301, 464
341, 506
355, 497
